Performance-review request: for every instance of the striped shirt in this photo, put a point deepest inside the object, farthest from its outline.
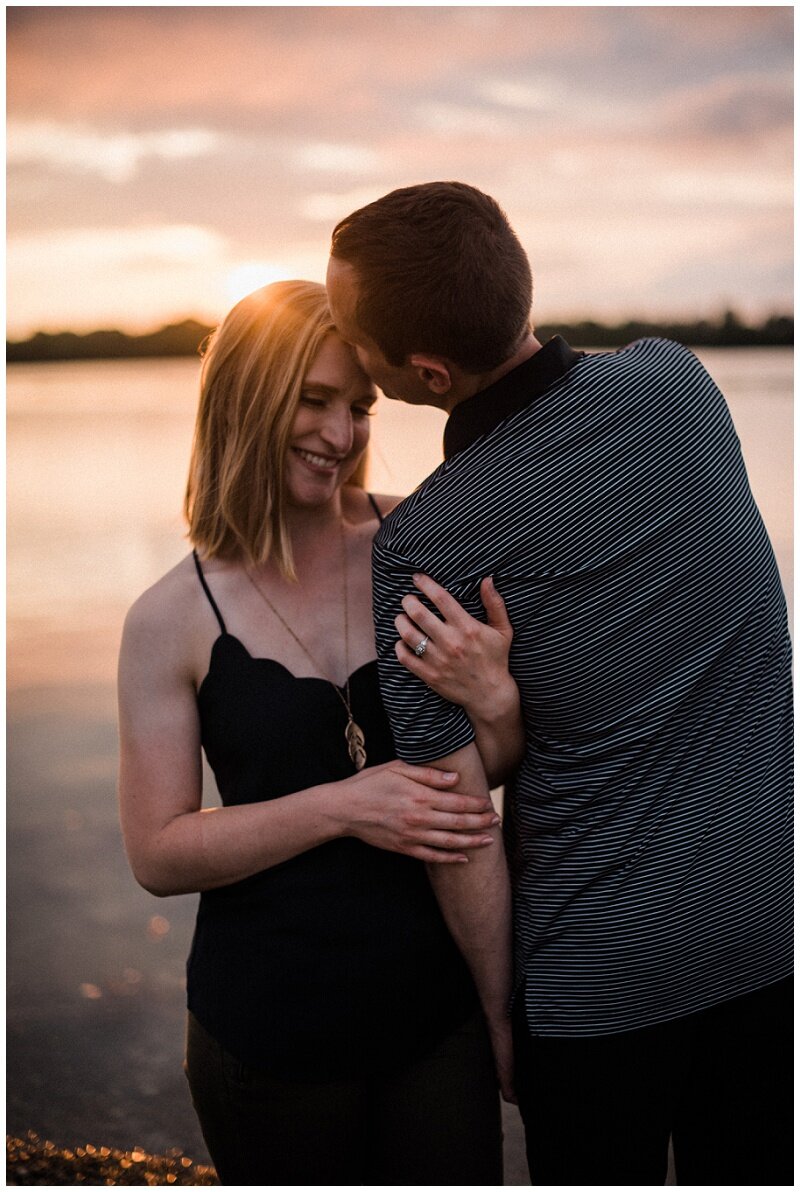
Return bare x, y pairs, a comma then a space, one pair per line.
648, 826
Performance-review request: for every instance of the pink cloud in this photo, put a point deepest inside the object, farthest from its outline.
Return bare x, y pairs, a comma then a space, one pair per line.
139, 63
599, 129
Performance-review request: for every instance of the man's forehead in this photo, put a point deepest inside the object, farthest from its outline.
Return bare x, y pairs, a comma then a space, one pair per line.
342, 292
341, 276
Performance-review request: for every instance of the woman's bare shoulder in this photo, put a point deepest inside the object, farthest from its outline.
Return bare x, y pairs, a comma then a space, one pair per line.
161, 655
164, 611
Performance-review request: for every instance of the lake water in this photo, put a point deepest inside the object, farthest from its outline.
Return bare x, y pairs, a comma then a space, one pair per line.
97, 456
97, 463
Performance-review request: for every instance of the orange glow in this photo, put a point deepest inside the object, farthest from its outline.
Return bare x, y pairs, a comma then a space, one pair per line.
157, 927
251, 275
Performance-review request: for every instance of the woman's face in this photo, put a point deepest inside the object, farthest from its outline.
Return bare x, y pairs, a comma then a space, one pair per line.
331, 426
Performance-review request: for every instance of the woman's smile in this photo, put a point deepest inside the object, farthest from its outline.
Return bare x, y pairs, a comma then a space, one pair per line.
326, 464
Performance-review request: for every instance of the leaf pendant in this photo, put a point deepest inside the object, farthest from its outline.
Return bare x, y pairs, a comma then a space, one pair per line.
355, 744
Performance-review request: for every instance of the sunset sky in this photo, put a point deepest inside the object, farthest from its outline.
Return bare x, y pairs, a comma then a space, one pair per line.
164, 161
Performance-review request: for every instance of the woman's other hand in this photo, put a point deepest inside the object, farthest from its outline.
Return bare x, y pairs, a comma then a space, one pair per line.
415, 810
465, 661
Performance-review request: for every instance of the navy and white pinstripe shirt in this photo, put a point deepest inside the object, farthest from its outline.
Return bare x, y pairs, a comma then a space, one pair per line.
648, 827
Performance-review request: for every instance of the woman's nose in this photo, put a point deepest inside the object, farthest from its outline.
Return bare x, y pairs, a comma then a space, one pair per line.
337, 430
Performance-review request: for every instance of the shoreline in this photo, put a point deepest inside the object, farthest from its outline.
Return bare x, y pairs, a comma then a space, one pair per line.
186, 337
34, 1161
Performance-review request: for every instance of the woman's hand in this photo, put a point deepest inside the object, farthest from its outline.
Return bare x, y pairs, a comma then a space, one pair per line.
465, 661
414, 810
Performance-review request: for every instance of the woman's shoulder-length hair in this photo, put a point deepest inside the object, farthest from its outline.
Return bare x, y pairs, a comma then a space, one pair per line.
251, 380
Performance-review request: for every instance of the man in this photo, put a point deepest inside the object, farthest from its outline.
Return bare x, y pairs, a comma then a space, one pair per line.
648, 835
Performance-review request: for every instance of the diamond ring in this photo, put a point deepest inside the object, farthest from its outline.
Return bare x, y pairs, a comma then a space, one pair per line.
421, 648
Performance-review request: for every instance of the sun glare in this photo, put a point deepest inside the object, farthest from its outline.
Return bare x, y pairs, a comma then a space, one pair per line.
249, 276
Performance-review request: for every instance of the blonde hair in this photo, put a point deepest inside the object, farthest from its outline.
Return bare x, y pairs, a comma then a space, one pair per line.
252, 376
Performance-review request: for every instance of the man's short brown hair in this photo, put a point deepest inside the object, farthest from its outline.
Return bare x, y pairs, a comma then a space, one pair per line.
440, 271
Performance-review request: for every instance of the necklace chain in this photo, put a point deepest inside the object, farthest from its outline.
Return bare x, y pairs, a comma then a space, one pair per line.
353, 734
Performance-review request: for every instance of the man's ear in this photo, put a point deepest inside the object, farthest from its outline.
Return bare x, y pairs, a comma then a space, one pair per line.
434, 372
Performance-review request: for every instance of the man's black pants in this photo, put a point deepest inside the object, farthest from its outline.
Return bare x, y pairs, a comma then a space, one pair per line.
601, 1111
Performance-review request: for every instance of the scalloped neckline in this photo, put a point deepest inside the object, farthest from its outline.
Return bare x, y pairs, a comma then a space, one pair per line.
274, 662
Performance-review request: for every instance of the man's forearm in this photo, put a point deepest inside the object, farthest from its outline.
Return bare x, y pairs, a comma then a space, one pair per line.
476, 905
475, 899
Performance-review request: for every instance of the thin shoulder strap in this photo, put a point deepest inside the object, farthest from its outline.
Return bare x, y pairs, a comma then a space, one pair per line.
207, 591
374, 505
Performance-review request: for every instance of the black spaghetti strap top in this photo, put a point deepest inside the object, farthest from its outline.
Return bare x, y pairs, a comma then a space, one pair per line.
374, 505
207, 591
336, 963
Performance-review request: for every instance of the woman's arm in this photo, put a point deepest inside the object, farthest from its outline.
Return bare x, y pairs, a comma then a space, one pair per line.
466, 662
175, 847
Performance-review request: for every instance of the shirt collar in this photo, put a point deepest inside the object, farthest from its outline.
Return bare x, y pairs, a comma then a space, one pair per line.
486, 409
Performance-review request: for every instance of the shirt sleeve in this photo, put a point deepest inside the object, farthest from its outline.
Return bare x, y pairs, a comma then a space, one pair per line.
425, 726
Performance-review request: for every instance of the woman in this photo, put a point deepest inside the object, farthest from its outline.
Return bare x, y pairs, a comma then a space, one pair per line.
334, 1034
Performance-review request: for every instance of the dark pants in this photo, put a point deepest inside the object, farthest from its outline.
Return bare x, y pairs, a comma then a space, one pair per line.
601, 1111
436, 1121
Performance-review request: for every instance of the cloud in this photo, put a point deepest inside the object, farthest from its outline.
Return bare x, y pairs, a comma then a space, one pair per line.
116, 157
736, 107
334, 65
328, 207
112, 247
627, 267
713, 188
139, 277
542, 95
624, 143
88, 276
451, 119
710, 28
327, 157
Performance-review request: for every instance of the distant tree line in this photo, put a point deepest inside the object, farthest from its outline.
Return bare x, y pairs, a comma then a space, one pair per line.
726, 332
178, 339
184, 339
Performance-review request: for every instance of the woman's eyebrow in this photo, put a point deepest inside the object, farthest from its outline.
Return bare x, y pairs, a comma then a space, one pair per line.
321, 386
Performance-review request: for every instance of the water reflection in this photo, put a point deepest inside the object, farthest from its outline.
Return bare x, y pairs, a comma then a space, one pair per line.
97, 463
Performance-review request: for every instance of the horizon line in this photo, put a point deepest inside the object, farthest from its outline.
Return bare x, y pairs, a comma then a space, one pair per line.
724, 315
